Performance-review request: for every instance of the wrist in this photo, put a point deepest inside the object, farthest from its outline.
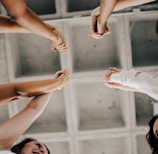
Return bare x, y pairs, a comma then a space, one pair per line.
102, 20
115, 77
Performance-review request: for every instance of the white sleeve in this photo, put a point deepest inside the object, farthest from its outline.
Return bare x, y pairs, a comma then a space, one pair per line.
143, 82
6, 152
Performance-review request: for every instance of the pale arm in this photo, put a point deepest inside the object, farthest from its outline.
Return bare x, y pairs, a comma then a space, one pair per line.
17, 125
107, 6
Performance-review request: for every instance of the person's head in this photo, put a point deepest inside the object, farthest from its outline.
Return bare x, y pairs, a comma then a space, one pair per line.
30, 146
152, 135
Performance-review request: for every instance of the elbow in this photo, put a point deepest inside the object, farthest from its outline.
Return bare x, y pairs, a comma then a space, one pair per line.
17, 15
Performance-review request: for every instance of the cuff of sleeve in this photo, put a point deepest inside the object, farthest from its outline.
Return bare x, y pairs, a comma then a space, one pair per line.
123, 77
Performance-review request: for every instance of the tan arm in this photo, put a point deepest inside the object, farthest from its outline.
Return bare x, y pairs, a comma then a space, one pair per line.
17, 125
12, 91
100, 15
30, 21
9, 26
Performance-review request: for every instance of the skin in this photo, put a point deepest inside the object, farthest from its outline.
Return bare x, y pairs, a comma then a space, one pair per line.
9, 26
101, 14
41, 90
29, 21
155, 128
34, 147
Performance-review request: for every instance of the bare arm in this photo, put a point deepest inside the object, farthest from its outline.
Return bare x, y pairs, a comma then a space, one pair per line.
100, 15
7, 25
17, 125
120, 5
30, 21
12, 91
106, 8
24, 119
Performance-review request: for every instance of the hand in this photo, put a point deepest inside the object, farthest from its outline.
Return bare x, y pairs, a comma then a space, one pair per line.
62, 76
96, 30
58, 42
102, 28
115, 84
119, 86
110, 72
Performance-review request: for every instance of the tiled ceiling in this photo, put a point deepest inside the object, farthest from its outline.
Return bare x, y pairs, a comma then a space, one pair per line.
86, 117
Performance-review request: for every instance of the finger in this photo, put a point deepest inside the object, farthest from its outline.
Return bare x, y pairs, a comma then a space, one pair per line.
108, 84
107, 77
54, 49
114, 69
51, 46
107, 33
63, 72
59, 73
67, 71
62, 45
62, 50
93, 26
107, 30
96, 35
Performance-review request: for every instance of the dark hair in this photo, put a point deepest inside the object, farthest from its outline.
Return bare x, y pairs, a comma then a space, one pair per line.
150, 137
18, 147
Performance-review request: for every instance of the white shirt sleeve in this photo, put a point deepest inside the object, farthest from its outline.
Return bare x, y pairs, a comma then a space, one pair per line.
6, 152
143, 82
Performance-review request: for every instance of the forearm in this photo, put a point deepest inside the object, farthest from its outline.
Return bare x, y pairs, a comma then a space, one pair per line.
141, 81
9, 26
35, 88
27, 18
122, 4
22, 121
106, 8
12, 91
30, 21
38, 104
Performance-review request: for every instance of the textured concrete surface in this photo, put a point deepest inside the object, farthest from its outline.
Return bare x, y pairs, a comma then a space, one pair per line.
86, 117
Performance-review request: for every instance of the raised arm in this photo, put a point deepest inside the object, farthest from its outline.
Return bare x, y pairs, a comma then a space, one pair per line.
17, 125
132, 80
12, 91
9, 26
100, 15
106, 8
30, 21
